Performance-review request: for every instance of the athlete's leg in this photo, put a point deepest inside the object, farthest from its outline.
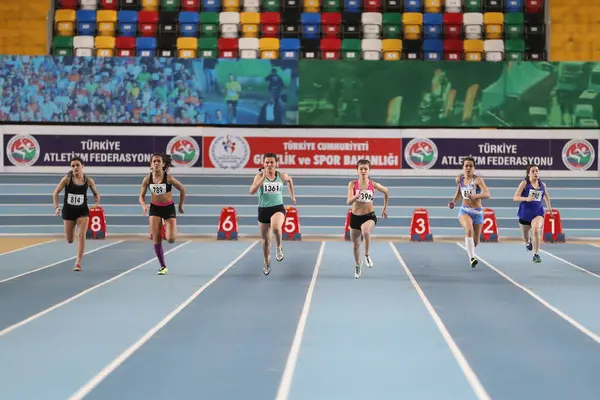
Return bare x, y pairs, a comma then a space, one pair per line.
265, 234
355, 238
69, 230
82, 227
467, 223
171, 229
366, 230
276, 225
525, 233
155, 228
536, 226
476, 233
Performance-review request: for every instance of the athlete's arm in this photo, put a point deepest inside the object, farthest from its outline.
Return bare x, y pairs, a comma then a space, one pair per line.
142, 198
92, 185
485, 192
386, 197
179, 186
547, 197
457, 193
258, 179
517, 196
61, 185
351, 196
288, 179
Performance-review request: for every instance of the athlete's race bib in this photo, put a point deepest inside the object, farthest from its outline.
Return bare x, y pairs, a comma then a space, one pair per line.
75, 199
466, 192
271, 187
365, 196
158, 188
536, 194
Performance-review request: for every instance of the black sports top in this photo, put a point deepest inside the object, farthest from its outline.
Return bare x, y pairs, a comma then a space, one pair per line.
76, 195
159, 188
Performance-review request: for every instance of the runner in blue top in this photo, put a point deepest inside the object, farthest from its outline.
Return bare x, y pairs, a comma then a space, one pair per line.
271, 211
472, 189
530, 193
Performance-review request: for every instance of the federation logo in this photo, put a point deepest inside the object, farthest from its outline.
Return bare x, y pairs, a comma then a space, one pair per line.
23, 150
229, 152
578, 155
421, 153
184, 151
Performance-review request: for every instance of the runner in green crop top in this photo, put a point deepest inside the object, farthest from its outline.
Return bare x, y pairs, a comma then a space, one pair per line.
271, 211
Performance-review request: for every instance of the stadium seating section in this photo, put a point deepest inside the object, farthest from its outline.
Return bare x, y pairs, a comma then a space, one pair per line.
472, 30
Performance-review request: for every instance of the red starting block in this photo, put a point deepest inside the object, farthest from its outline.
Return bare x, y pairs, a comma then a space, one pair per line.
489, 231
291, 225
97, 224
420, 228
228, 224
163, 231
553, 231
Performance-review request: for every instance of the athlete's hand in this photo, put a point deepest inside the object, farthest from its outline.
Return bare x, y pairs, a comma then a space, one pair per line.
384, 213
530, 198
145, 209
294, 200
181, 209
550, 213
451, 205
97, 199
57, 211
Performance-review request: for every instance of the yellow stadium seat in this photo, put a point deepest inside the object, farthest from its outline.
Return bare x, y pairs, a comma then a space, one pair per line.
269, 48
392, 49
107, 21
64, 21
105, 46
494, 25
413, 23
231, 5
149, 5
187, 47
250, 22
312, 6
473, 49
433, 6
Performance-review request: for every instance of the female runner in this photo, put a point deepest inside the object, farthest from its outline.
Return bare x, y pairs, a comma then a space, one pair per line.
162, 206
75, 211
530, 193
472, 189
361, 193
271, 211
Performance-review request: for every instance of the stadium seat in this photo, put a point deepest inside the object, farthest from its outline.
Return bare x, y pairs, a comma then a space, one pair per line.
330, 48
249, 47
125, 46
104, 46
107, 21
83, 45
187, 47
62, 46
128, 22
430, 30
64, 21
269, 48
392, 49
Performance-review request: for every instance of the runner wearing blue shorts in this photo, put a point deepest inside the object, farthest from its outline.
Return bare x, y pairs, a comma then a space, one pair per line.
530, 193
472, 189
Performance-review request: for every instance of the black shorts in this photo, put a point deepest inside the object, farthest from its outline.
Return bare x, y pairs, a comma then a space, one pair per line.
356, 221
165, 212
265, 213
523, 222
70, 213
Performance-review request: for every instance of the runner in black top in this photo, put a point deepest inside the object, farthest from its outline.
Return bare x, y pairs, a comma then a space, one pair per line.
162, 206
75, 211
